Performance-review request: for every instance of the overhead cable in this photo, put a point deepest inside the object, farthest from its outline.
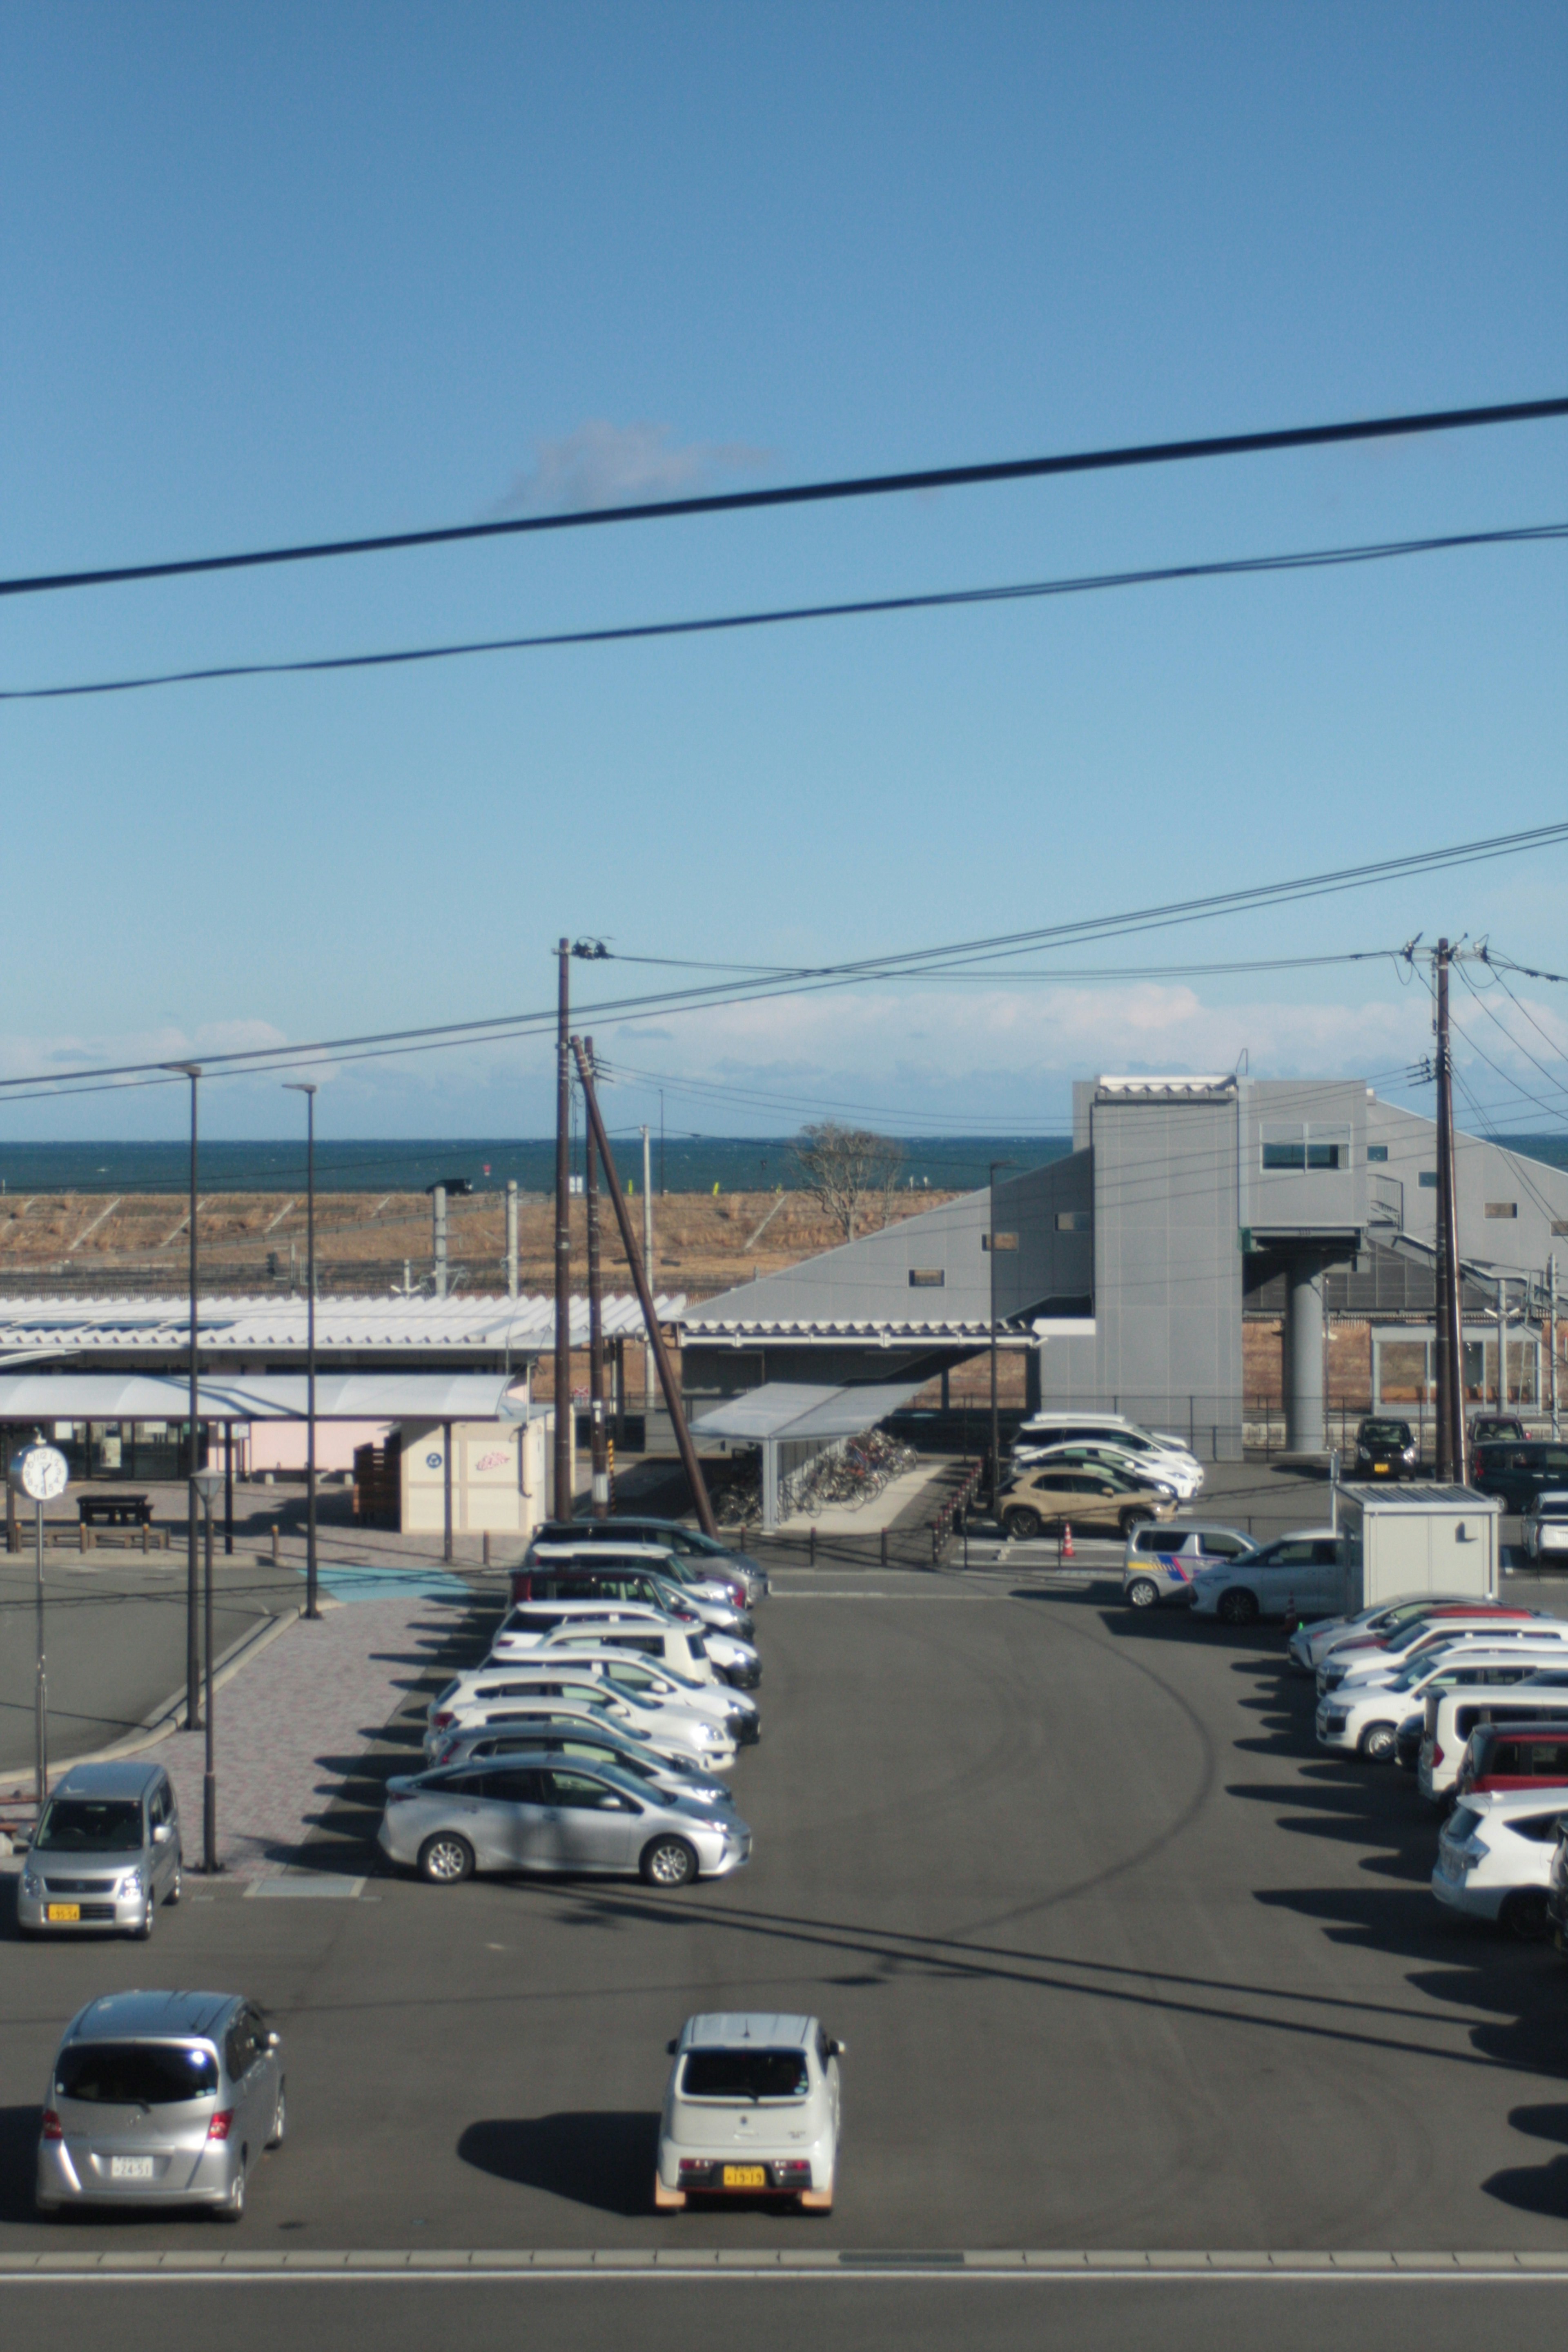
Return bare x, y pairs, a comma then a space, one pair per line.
858, 486
1307, 559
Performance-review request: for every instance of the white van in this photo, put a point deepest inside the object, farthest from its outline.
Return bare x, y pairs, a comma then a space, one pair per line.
1453, 1715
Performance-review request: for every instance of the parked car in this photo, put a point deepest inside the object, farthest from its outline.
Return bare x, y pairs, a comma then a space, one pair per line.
1364, 1719
1535, 1638
707, 1557
1517, 1473
1304, 1570
753, 2108
703, 1658
1310, 1643
534, 1814
1407, 1741
568, 1573
1379, 1649
106, 1852
535, 1627
1486, 1428
1545, 1526
1506, 1756
531, 1623
1041, 1502
472, 1702
1140, 1473
1160, 1562
652, 1681
1385, 1449
161, 2098
1495, 1855
584, 1743
1452, 1716
1053, 1425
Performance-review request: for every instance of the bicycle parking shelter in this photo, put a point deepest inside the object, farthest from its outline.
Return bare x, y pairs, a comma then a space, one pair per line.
792, 1420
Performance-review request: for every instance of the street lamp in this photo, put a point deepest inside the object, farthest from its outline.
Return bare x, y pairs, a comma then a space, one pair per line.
41, 1472
301, 1087
192, 1070
208, 1486
995, 1408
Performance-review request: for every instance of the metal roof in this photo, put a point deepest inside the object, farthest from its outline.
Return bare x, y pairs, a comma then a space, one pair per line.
1421, 1497
796, 1408
885, 1333
265, 1396
527, 1325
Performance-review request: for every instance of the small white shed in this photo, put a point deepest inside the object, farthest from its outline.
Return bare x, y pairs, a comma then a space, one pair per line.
1405, 1539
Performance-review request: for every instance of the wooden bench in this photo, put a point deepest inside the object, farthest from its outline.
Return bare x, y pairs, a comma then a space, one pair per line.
114, 1510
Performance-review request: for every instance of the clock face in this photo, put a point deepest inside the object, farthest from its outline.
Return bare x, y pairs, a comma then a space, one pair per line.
44, 1474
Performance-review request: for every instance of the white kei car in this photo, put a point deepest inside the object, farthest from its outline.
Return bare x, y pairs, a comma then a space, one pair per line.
1545, 1528
1310, 1644
752, 2109
1363, 1719
492, 1695
1541, 1637
1494, 1856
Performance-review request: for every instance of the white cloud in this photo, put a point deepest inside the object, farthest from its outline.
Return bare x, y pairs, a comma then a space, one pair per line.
606, 464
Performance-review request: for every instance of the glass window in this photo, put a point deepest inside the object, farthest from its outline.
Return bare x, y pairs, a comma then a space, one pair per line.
579, 1792
1286, 1155
134, 2073
1502, 1209
928, 1277
90, 1826
1377, 1152
745, 2075
514, 1787
1428, 1179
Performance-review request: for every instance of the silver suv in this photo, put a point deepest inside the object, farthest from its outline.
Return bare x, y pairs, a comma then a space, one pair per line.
105, 1853
160, 2098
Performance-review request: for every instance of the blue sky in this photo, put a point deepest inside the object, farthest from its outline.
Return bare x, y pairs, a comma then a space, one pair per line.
287, 272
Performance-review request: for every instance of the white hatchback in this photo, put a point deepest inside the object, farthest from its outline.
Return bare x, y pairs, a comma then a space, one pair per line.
1494, 1856
752, 2109
1545, 1528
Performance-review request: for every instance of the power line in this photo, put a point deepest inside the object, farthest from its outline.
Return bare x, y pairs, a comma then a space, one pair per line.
1307, 559
858, 486
910, 964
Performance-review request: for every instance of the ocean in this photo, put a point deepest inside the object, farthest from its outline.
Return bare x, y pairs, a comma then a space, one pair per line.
680, 1163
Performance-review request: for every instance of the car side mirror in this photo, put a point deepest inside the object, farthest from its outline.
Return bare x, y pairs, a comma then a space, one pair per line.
672, 2047
270, 2040
161, 1833
837, 2049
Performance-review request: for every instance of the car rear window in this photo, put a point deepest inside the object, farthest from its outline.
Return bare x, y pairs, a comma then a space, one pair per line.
745, 2075
134, 2073
90, 1826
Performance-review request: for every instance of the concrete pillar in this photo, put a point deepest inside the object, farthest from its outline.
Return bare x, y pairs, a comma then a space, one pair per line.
769, 1486
438, 1236
1304, 1355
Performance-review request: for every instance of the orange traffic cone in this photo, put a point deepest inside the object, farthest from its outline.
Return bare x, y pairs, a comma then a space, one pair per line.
1067, 1540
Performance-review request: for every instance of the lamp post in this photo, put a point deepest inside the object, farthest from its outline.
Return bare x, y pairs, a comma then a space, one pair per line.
192, 1070
41, 1474
995, 1406
299, 1086
208, 1486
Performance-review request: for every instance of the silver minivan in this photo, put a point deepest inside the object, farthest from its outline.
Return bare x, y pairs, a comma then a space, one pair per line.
105, 1853
161, 2098
1160, 1562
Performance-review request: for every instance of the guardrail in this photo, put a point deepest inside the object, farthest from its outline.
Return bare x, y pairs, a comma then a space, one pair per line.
942, 1526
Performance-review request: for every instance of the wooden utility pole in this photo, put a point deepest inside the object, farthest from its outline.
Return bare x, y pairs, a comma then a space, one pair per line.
596, 1322
1451, 1430
690, 1462
564, 1427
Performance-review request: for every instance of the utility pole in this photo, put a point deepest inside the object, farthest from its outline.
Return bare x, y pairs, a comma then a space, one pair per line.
438, 1236
1552, 1332
1451, 1432
511, 1237
601, 1506
690, 1462
648, 1374
307, 1089
192, 1070
563, 1431
1501, 1347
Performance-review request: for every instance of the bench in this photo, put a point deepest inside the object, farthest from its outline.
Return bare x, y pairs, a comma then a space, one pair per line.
115, 1510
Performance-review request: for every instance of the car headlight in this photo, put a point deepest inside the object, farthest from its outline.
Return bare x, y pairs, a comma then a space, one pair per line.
132, 1883
31, 1883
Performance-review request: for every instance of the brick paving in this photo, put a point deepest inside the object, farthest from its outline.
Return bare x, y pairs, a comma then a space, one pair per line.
292, 1723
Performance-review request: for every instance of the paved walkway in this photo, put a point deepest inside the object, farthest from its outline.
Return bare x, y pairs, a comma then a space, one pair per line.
292, 1723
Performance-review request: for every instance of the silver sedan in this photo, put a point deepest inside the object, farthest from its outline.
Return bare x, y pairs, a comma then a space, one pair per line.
536, 1814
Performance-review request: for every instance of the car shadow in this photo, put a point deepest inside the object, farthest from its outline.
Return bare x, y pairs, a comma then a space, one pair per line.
19, 2162
1535, 2188
601, 2158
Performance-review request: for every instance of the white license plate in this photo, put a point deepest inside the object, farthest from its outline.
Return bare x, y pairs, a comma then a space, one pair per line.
131, 2167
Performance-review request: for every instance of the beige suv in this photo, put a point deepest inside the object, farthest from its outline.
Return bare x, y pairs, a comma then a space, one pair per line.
1041, 1502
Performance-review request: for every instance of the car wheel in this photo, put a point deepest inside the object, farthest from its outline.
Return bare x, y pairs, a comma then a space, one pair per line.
1141, 1593
668, 1862
446, 1858
177, 1885
279, 2119
233, 2206
1524, 1914
1136, 1518
1021, 1525
1238, 1607
143, 1934
1377, 1742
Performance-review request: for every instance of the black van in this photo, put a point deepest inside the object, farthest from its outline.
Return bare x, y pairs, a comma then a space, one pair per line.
1517, 1473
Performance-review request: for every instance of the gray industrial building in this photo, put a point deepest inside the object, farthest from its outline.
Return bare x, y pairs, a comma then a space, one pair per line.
1124, 1271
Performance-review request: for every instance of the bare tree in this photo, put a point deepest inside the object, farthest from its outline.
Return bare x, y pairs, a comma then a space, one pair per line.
843, 1166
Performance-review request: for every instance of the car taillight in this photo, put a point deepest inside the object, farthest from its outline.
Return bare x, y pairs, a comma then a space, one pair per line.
220, 2127
53, 2127
792, 2174
440, 1722
1436, 1754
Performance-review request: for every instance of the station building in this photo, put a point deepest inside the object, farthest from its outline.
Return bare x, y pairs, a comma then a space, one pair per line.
1123, 1272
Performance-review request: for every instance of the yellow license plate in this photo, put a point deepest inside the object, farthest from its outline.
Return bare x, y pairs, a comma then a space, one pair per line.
745, 2176
64, 1913
1380, 1469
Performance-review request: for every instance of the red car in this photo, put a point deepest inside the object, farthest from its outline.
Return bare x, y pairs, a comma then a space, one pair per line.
1514, 1756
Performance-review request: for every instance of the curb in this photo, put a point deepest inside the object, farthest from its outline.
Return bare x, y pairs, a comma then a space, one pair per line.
671, 2262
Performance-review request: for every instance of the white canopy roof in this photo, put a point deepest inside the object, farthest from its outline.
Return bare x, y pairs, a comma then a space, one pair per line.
268, 1396
796, 1408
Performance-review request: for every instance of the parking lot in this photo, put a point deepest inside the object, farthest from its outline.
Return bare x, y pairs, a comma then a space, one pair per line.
1119, 1961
